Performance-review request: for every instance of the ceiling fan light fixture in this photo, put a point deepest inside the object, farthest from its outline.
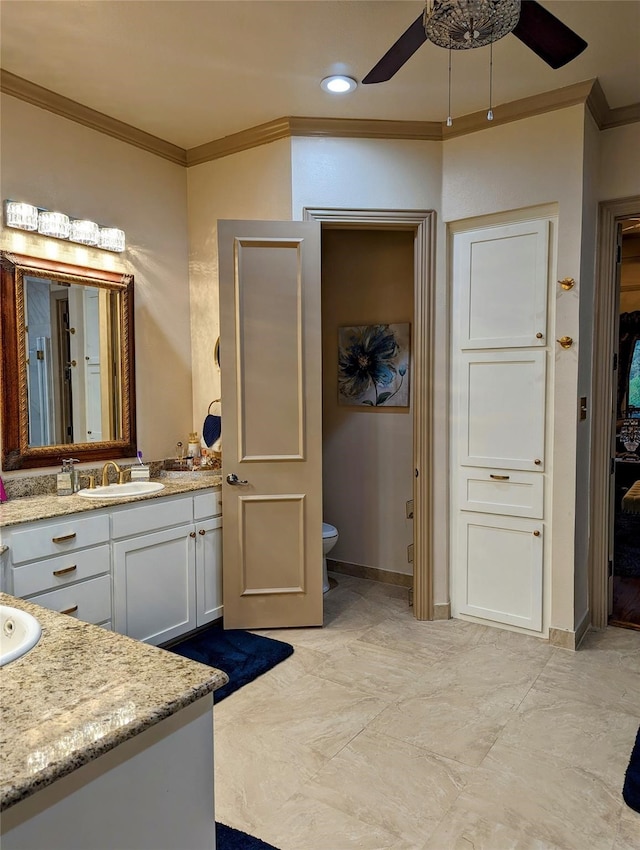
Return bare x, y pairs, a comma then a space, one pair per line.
338, 84
464, 24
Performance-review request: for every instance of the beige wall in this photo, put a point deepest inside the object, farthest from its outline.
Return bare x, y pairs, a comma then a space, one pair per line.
253, 184
508, 168
619, 175
367, 278
57, 164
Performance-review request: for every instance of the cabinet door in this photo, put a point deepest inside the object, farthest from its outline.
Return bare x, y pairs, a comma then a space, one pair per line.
501, 409
208, 570
500, 569
500, 282
154, 585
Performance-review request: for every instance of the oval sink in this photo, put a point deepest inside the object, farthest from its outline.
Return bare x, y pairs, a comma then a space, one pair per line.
122, 491
19, 632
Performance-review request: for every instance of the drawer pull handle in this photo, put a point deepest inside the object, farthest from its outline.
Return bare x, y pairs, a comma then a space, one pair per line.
64, 538
202, 531
499, 477
538, 462
66, 571
536, 533
192, 534
70, 610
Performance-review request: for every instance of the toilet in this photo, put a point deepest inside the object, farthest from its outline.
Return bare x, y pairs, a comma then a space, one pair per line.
329, 540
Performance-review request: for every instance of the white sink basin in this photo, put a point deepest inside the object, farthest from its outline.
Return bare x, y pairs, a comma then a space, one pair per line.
120, 491
19, 632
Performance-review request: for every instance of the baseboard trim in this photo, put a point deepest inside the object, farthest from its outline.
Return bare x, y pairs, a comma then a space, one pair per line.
370, 573
442, 611
566, 639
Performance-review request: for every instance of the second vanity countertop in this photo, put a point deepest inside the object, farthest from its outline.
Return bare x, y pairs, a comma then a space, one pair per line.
80, 692
31, 508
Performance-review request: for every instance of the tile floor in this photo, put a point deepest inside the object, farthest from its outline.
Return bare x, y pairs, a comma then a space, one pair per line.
384, 733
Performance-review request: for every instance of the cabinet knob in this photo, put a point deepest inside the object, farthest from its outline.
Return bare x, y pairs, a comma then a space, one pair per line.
192, 534
537, 461
539, 335
536, 533
202, 531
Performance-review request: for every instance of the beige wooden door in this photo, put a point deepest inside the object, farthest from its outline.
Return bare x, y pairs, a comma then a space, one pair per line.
271, 369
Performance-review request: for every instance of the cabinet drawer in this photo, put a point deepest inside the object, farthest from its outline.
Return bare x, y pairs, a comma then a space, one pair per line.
502, 491
162, 513
89, 601
58, 538
57, 572
208, 504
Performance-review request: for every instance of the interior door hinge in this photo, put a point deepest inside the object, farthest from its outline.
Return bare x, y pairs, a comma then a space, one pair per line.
610, 568
618, 254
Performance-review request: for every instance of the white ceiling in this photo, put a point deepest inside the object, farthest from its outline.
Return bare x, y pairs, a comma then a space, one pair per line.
190, 71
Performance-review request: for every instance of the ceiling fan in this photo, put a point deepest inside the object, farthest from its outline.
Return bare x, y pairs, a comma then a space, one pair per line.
465, 24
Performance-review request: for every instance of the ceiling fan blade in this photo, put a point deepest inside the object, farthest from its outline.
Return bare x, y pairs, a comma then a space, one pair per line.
547, 36
396, 56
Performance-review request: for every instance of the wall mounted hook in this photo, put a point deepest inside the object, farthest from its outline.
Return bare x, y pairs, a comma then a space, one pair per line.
566, 341
567, 283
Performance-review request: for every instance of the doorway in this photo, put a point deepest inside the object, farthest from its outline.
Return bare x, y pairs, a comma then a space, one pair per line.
624, 590
611, 219
421, 224
368, 465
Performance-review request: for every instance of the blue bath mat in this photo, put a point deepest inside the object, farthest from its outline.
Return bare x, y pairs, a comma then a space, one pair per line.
631, 787
232, 839
242, 655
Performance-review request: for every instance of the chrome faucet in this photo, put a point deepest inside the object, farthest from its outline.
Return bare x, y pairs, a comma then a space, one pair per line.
105, 472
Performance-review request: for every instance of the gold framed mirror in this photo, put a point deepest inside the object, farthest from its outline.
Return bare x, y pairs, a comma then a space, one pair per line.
67, 363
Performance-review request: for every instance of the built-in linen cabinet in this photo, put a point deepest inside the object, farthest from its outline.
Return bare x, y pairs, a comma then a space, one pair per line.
499, 422
64, 566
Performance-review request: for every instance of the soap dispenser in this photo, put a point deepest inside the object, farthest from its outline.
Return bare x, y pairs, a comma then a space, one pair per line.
64, 486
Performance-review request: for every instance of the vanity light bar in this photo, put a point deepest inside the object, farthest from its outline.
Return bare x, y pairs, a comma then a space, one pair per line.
61, 226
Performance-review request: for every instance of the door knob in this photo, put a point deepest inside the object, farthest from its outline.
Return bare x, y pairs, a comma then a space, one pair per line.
232, 478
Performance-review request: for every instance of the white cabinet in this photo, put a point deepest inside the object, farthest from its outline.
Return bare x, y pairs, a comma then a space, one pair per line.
154, 584
167, 580
502, 409
499, 422
502, 559
163, 558
64, 566
501, 276
208, 570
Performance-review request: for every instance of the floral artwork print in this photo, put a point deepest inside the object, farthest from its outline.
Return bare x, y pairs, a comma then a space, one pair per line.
373, 364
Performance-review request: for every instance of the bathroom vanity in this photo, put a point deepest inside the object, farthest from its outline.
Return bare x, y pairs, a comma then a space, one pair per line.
107, 743
149, 567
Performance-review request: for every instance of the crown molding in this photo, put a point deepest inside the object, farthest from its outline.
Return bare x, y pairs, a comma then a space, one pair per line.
67, 108
359, 128
588, 92
253, 137
516, 110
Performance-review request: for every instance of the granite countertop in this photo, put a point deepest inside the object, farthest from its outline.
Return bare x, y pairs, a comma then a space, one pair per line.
80, 692
30, 508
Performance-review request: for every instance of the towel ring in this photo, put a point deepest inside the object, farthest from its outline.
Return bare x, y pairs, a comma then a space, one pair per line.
215, 401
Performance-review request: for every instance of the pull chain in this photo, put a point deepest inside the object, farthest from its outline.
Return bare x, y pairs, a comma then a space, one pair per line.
490, 112
449, 118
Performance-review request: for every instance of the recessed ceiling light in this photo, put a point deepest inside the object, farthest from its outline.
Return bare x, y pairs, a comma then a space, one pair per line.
337, 84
